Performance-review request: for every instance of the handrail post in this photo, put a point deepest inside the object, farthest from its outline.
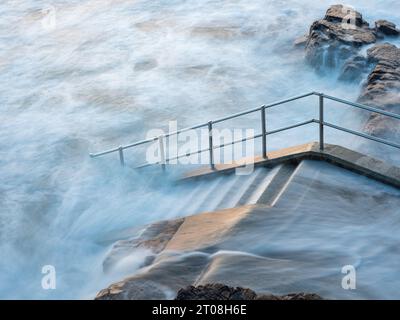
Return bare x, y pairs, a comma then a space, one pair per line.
211, 145
121, 156
264, 133
321, 122
162, 152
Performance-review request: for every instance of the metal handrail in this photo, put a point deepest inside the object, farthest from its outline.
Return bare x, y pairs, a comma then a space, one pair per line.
264, 133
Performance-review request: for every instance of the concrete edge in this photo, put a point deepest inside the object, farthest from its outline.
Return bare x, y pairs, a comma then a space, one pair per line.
337, 155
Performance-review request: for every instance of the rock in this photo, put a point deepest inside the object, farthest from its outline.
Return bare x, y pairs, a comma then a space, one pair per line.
161, 280
301, 41
382, 89
339, 13
215, 291
386, 28
385, 52
385, 76
354, 69
141, 289
337, 37
291, 296
382, 127
218, 291
335, 42
155, 237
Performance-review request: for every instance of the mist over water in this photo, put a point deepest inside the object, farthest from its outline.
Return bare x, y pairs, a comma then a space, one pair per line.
83, 76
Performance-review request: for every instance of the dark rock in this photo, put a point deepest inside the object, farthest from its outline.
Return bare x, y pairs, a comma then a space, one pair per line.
215, 291
382, 90
301, 41
354, 69
291, 296
218, 291
337, 37
386, 28
385, 52
339, 13
139, 289
335, 42
385, 76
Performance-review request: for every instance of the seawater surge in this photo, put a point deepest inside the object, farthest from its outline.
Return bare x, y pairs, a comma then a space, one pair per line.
81, 76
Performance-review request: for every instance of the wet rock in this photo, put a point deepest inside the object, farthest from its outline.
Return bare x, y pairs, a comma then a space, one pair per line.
337, 37
385, 52
154, 238
140, 289
340, 13
386, 28
301, 41
218, 291
384, 80
215, 291
354, 69
161, 280
335, 42
291, 296
382, 127
382, 90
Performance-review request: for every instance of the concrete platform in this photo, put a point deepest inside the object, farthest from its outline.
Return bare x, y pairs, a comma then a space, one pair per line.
334, 154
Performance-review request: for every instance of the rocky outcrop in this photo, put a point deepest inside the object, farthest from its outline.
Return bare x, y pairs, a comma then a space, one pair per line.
337, 37
386, 28
354, 69
335, 42
218, 291
385, 75
382, 89
215, 291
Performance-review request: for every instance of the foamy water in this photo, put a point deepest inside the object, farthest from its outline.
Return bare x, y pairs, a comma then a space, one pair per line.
95, 74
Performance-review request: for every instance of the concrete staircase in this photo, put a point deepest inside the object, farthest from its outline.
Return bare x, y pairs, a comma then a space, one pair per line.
222, 188
263, 186
206, 190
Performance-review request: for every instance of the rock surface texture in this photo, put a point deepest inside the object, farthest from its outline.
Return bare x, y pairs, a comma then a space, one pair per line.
218, 291
337, 37
386, 28
335, 43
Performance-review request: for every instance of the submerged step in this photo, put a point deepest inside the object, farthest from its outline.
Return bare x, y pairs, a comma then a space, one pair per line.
277, 185
234, 194
257, 188
216, 202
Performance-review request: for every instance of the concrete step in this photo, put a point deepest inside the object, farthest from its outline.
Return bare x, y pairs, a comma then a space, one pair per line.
260, 189
230, 190
199, 202
215, 202
188, 197
239, 190
258, 186
278, 184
